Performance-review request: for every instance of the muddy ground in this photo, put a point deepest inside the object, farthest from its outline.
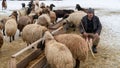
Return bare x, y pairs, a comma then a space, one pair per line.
108, 55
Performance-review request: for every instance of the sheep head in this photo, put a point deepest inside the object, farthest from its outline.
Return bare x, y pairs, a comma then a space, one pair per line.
78, 7
48, 36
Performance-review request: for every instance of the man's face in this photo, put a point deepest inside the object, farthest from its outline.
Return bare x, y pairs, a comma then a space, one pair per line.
90, 15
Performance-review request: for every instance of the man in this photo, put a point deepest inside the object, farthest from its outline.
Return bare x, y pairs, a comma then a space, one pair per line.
90, 26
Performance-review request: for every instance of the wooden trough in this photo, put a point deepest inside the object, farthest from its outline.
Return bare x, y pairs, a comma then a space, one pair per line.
37, 56
36, 59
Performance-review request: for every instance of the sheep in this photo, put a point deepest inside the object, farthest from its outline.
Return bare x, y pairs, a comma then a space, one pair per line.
11, 28
4, 20
1, 39
23, 21
73, 20
51, 14
76, 44
44, 20
60, 13
57, 54
32, 32
76, 17
23, 11
78, 7
4, 4
2, 24
52, 17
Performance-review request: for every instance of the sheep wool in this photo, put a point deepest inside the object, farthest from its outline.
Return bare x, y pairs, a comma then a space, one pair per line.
32, 33
11, 27
76, 44
23, 21
57, 54
44, 20
76, 17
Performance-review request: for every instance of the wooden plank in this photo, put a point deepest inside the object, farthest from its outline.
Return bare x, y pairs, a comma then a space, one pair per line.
23, 63
40, 62
28, 47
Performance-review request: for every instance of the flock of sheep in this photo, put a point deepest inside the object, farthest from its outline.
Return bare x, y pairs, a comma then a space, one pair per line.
39, 21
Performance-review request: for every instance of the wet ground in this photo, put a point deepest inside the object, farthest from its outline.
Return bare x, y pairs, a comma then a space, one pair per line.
108, 55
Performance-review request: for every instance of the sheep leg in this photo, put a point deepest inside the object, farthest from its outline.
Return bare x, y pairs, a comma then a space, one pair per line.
4, 32
41, 45
10, 39
77, 63
19, 34
13, 37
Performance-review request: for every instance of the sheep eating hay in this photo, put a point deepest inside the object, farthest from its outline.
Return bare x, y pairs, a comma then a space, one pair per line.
76, 44
57, 54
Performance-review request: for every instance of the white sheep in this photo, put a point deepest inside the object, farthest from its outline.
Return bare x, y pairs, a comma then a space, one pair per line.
76, 44
32, 32
57, 54
11, 28
72, 21
76, 17
44, 20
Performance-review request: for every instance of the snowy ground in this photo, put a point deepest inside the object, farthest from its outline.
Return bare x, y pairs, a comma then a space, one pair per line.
109, 13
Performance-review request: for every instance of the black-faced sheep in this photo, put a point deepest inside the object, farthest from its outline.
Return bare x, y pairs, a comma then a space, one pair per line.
1, 39
57, 54
76, 44
32, 32
60, 13
79, 8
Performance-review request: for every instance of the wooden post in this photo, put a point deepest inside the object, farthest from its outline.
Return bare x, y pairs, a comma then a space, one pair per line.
90, 43
12, 63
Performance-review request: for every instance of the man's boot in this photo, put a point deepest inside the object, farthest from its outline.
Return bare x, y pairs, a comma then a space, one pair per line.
94, 49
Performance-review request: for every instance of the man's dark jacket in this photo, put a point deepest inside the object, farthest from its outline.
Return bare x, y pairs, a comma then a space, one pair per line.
97, 27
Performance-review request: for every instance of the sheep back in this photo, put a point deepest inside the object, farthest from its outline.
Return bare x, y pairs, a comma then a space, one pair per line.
11, 27
23, 21
32, 33
76, 44
58, 55
44, 20
76, 17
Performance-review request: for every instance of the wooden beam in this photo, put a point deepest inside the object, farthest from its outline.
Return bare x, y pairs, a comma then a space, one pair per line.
24, 63
28, 47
